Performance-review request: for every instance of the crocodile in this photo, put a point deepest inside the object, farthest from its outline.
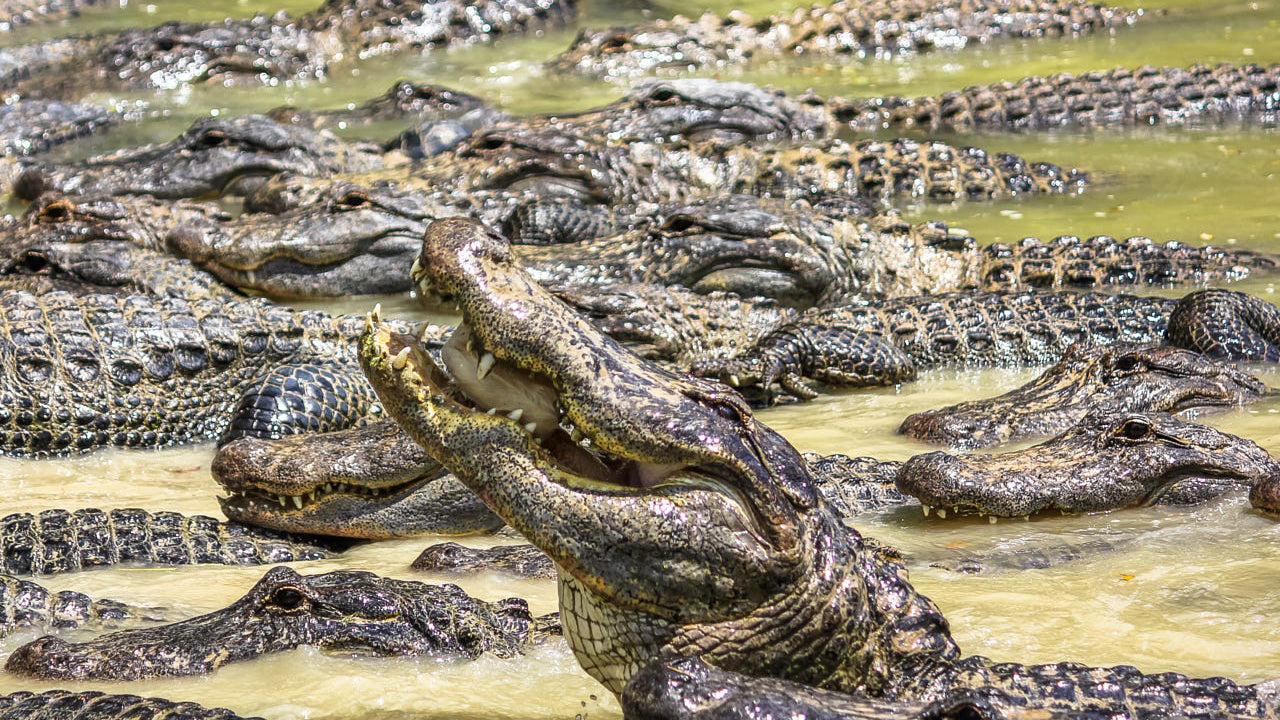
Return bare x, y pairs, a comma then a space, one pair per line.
681, 526
24, 603
58, 541
854, 345
1145, 96
880, 29
1123, 377
270, 49
1160, 461
85, 371
344, 611
97, 705
214, 157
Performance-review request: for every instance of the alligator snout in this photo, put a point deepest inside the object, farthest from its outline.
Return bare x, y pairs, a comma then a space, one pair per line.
47, 657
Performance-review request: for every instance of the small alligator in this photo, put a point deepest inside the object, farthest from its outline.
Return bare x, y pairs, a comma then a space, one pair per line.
860, 29
95, 705
1159, 460
683, 527
58, 541
1123, 377
344, 611
1197, 95
890, 342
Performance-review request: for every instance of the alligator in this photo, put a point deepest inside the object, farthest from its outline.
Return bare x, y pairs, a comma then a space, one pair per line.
1123, 377
85, 371
451, 558
1197, 95
683, 527
58, 541
344, 611
215, 156
270, 49
1161, 462
24, 603
860, 29
96, 705
15, 14
854, 345
404, 100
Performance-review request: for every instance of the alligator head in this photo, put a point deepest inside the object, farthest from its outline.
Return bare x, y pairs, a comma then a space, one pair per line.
214, 157
353, 241
1265, 495
342, 612
1123, 377
542, 163
403, 100
1149, 458
680, 525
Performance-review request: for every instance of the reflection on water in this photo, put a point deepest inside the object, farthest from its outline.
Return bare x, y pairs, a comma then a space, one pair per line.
1194, 591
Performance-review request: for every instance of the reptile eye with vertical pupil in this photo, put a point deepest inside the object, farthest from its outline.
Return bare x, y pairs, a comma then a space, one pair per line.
287, 598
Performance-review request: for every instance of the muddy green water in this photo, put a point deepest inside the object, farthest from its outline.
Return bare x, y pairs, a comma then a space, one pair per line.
1195, 591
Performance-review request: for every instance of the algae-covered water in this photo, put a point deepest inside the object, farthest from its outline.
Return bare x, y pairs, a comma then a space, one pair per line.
1195, 591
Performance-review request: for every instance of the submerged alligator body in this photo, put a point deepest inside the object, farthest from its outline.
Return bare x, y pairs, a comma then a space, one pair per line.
344, 611
1123, 377
24, 603
58, 541
682, 527
860, 29
94, 705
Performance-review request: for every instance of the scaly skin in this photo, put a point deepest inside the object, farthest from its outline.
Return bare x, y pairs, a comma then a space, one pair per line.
214, 157
1123, 377
861, 29
1152, 459
21, 13
25, 604
891, 342
681, 526
57, 541
80, 375
1198, 95
273, 49
1265, 495
404, 100
342, 611
94, 705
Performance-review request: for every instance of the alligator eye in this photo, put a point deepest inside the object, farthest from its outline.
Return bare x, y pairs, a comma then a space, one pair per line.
287, 598
490, 143
616, 44
353, 201
1135, 429
426, 92
680, 224
56, 212
213, 139
1126, 363
663, 96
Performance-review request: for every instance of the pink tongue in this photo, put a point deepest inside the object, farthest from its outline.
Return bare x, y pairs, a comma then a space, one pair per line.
504, 388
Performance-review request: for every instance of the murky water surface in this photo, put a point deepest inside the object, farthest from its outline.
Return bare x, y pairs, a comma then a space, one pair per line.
1196, 591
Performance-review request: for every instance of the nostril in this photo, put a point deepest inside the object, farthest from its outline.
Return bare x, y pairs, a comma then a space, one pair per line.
31, 184
34, 262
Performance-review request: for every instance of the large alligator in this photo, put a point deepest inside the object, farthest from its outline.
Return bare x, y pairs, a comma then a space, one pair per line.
96, 705
270, 49
683, 527
860, 29
215, 156
1197, 95
889, 343
343, 611
356, 240
58, 541
24, 603
1124, 377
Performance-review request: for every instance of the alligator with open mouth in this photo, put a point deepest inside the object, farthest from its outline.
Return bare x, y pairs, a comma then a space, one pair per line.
683, 527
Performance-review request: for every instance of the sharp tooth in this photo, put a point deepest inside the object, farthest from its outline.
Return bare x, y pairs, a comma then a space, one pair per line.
415, 270
926, 509
401, 359
297, 502
377, 312
280, 499
251, 277
516, 414
486, 364
471, 344
991, 519
733, 380
368, 322
530, 427
311, 496
491, 411
942, 513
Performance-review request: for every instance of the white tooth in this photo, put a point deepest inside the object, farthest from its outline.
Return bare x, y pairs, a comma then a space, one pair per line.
575, 434
516, 414
991, 519
733, 380
251, 277
401, 359
585, 442
377, 312
926, 509
471, 344
368, 322
942, 513
282, 501
491, 411
311, 496
415, 270
297, 502
530, 427
486, 364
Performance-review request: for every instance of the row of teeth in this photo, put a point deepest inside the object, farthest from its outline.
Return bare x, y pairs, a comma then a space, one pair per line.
483, 367
309, 497
942, 513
